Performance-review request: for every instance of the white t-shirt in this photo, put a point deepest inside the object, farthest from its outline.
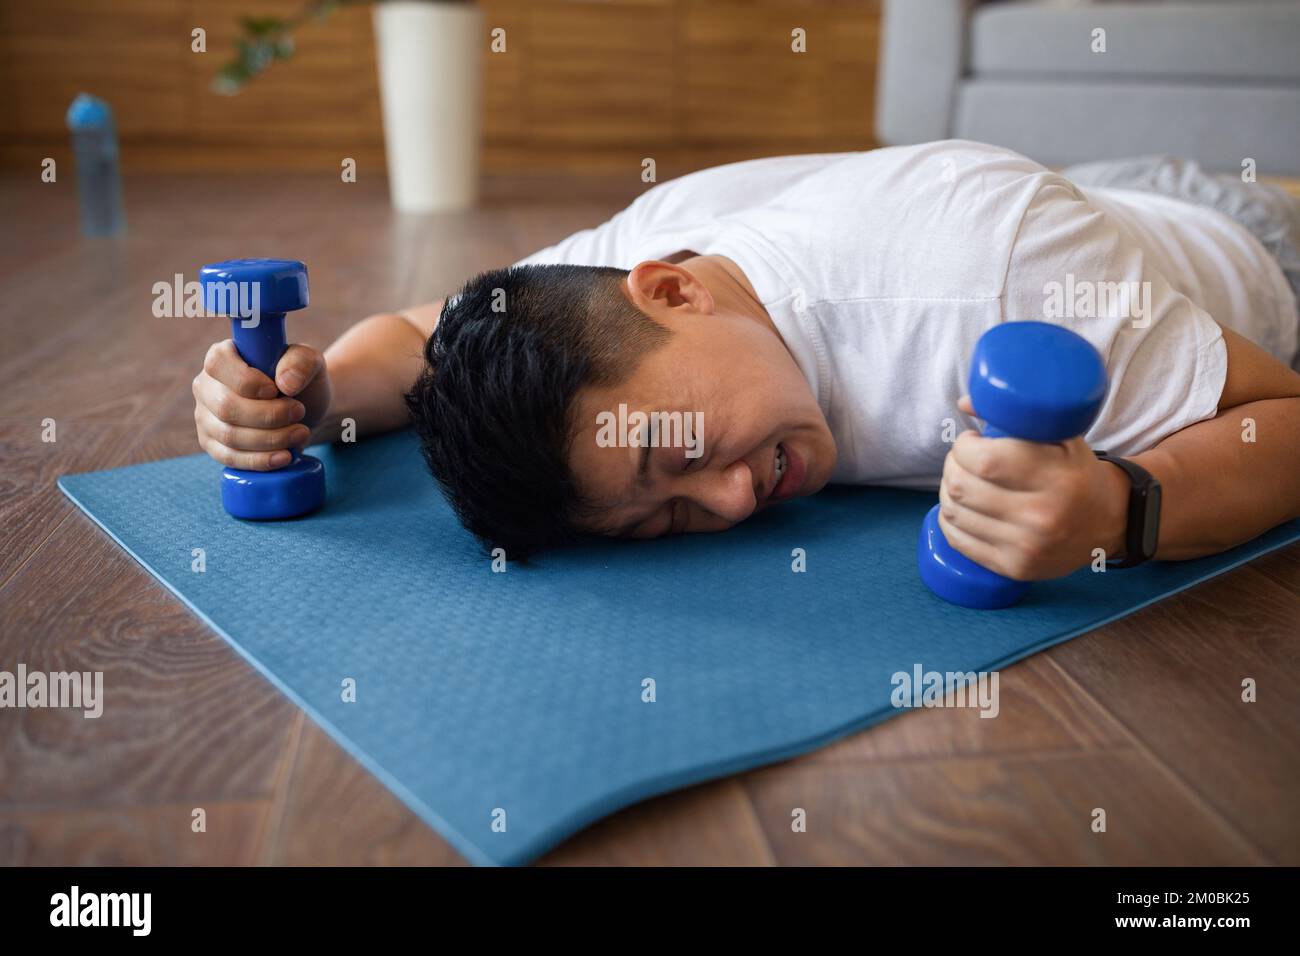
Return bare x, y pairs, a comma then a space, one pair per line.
882, 269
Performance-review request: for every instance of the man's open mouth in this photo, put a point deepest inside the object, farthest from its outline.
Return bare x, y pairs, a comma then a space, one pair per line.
788, 471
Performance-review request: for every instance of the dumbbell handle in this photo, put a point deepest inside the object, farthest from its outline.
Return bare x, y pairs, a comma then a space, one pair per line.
261, 345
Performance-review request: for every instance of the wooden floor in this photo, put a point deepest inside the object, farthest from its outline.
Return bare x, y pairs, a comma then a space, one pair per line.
1142, 718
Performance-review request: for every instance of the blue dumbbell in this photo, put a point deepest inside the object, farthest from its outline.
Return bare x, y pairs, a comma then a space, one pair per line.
256, 294
1028, 380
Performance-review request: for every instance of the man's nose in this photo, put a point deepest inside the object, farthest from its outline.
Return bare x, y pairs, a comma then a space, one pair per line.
727, 493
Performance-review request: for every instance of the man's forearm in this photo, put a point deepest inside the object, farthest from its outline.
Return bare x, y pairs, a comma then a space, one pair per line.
371, 366
1220, 489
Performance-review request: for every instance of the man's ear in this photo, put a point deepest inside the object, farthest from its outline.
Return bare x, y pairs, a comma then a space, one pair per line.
657, 288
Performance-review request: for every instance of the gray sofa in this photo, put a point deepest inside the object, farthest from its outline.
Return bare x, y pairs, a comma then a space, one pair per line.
1214, 81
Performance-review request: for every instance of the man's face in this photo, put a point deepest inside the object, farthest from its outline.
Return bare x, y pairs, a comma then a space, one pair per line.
761, 438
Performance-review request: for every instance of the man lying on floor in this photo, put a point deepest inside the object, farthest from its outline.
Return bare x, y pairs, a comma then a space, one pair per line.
820, 312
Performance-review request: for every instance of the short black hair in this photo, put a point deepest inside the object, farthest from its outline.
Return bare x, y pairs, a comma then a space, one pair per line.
492, 404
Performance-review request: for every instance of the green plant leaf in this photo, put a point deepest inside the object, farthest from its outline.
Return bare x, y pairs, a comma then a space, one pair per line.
265, 40
230, 79
262, 26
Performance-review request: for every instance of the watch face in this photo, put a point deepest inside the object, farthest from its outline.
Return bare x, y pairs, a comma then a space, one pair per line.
1151, 524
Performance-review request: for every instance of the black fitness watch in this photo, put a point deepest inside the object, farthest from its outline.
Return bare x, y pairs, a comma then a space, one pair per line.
1143, 530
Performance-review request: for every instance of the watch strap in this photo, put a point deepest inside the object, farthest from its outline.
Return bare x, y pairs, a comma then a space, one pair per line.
1142, 484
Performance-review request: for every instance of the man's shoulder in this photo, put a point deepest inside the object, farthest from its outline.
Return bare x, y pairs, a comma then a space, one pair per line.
753, 181
734, 186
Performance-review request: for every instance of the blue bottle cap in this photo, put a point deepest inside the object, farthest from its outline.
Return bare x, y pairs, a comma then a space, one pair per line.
89, 112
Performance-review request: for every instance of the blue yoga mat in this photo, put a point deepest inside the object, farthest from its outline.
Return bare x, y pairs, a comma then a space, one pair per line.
517, 697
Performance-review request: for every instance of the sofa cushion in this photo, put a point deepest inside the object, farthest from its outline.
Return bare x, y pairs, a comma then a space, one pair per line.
1072, 121
1246, 40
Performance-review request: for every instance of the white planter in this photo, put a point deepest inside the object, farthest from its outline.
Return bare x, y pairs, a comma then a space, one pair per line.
430, 80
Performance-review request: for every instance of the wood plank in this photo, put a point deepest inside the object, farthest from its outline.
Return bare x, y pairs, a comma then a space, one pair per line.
1172, 675
1282, 566
184, 717
336, 813
710, 825
31, 506
1040, 711
1025, 810
147, 835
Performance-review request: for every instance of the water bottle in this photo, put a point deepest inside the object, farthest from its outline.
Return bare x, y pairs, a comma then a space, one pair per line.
99, 184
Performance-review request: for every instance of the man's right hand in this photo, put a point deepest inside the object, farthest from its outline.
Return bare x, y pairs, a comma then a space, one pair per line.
246, 421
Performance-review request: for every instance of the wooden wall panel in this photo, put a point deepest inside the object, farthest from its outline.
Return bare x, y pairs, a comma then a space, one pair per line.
314, 99
742, 75
854, 41
601, 74
583, 84
133, 53
505, 75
